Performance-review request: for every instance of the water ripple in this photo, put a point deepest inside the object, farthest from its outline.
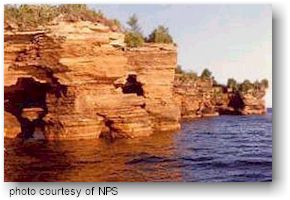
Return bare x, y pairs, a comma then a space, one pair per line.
218, 149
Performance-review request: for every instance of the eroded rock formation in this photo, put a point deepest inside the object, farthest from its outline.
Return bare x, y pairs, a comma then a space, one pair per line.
195, 97
199, 97
78, 81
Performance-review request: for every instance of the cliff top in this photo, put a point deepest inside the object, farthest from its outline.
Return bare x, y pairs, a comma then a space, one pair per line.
25, 18
205, 79
37, 17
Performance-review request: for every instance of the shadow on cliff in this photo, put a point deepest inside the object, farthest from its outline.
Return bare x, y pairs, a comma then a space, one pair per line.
26, 100
133, 86
236, 104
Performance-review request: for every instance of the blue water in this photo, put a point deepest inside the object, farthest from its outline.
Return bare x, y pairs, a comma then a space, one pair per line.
228, 148
218, 149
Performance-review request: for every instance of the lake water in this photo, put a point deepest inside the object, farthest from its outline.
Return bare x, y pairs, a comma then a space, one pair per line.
218, 149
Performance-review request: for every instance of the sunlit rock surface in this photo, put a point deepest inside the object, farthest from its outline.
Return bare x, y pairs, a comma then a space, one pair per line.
79, 81
195, 97
198, 97
84, 73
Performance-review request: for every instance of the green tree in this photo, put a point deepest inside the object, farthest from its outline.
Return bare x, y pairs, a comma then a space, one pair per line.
68, 8
29, 17
134, 37
191, 75
116, 22
206, 74
245, 86
178, 69
75, 12
160, 35
257, 85
232, 83
134, 24
265, 83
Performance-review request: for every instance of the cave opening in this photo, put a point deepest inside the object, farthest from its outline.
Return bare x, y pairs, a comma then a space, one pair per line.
236, 102
26, 100
133, 86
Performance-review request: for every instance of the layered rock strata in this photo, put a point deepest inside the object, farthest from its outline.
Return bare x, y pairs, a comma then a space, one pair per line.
194, 97
86, 84
198, 97
80, 81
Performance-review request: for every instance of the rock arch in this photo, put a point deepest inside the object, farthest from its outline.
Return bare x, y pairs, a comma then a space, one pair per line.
26, 100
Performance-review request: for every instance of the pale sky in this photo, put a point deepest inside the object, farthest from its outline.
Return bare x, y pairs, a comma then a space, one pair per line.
232, 41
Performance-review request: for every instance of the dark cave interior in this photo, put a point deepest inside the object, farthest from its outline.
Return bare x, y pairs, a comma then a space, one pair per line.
27, 95
133, 86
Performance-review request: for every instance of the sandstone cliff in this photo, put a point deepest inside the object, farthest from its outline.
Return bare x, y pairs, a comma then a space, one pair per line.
200, 97
79, 81
253, 102
194, 96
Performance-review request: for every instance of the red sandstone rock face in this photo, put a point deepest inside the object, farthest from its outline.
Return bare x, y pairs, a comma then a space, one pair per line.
88, 84
155, 66
81, 69
200, 98
11, 125
195, 97
254, 103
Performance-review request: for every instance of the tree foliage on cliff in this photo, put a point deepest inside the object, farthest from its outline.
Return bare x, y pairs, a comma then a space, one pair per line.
134, 24
247, 85
26, 17
206, 74
244, 87
29, 16
134, 36
232, 83
160, 35
178, 69
185, 76
265, 83
133, 39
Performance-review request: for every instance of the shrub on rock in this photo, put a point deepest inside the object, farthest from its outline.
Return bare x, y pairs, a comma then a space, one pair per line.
160, 35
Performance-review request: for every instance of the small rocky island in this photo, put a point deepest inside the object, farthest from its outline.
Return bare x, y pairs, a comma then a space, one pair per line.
83, 77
